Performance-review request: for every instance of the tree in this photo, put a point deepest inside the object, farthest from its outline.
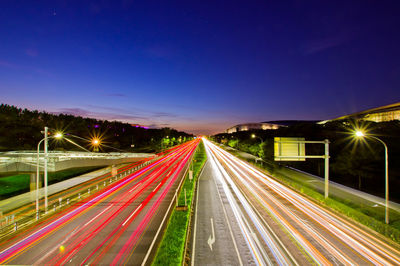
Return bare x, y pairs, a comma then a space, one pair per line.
233, 143
359, 163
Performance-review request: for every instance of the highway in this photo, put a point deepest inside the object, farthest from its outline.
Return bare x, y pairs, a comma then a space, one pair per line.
277, 225
217, 239
119, 224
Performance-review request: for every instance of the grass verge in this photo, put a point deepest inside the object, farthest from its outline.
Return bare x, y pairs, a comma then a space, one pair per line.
171, 249
361, 213
17, 184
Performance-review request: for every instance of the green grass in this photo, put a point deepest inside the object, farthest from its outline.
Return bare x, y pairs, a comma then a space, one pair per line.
17, 184
170, 251
364, 214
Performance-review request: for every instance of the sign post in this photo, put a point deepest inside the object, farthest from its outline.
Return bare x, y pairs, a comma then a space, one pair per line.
293, 149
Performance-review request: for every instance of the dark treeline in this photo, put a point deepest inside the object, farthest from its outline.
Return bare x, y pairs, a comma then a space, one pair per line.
21, 130
354, 162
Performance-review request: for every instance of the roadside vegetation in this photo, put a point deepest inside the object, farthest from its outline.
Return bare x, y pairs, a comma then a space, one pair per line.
356, 163
21, 130
171, 249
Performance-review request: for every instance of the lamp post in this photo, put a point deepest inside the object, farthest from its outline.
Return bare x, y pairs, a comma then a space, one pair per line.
360, 134
254, 136
45, 139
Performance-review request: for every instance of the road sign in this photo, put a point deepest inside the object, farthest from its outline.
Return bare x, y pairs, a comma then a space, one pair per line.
289, 149
295, 152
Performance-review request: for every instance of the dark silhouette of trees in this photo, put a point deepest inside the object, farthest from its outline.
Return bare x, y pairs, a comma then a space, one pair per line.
21, 130
358, 164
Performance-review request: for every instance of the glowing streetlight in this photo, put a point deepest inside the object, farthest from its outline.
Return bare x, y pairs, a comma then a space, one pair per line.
96, 143
58, 135
255, 136
360, 134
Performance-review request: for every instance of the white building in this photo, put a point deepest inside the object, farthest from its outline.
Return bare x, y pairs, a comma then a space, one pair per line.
250, 126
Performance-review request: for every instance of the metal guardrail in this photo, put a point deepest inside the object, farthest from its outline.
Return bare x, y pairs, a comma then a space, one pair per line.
27, 161
30, 156
15, 222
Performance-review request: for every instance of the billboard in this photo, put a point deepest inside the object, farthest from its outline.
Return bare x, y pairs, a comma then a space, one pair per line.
289, 149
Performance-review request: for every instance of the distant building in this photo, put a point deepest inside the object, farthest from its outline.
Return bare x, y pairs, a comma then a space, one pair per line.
385, 113
289, 123
252, 126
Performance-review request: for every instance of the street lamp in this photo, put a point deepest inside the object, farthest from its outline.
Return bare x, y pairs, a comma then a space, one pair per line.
361, 134
95, 143
45, 139
254, 136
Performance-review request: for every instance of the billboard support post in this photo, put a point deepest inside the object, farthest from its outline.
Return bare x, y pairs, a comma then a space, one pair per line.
326, 142
280, 149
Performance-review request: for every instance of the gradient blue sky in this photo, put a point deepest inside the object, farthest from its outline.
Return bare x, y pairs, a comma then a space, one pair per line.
200, 66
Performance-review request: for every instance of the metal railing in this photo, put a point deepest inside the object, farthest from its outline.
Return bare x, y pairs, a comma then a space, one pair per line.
12, 223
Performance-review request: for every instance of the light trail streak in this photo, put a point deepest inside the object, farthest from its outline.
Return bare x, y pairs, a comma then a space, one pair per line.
123, 255
49, 227
68, 193
324, 236
133, 213
29, 209
253, 243
87, 237
118, 231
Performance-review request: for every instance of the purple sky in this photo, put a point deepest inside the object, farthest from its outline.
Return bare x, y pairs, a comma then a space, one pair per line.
201, 66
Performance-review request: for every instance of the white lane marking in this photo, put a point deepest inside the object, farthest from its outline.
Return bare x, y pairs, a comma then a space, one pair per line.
41, 260
135, 187
228, 223
97, 215
211, 239
162, 223
133, 213
156, 187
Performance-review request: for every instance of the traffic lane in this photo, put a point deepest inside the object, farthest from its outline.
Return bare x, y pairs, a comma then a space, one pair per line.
52, 243
216, 238
62, 233
272, 223
29, 209
107, 248
110, 250
333, 236
264, 246
155, 226
322, 230
315, 245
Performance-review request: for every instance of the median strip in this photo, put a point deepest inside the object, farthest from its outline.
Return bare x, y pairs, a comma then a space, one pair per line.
171, 250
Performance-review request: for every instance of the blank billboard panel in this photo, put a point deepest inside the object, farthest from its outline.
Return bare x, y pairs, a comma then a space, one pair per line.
289, 149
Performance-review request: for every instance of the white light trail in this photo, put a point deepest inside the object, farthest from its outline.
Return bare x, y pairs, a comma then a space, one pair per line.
316, 223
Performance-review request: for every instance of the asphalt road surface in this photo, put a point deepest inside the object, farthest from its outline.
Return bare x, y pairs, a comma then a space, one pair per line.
216, 236
117, 225
271, 224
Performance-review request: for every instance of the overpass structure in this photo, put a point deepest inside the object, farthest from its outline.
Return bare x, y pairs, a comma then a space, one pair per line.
26, 161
